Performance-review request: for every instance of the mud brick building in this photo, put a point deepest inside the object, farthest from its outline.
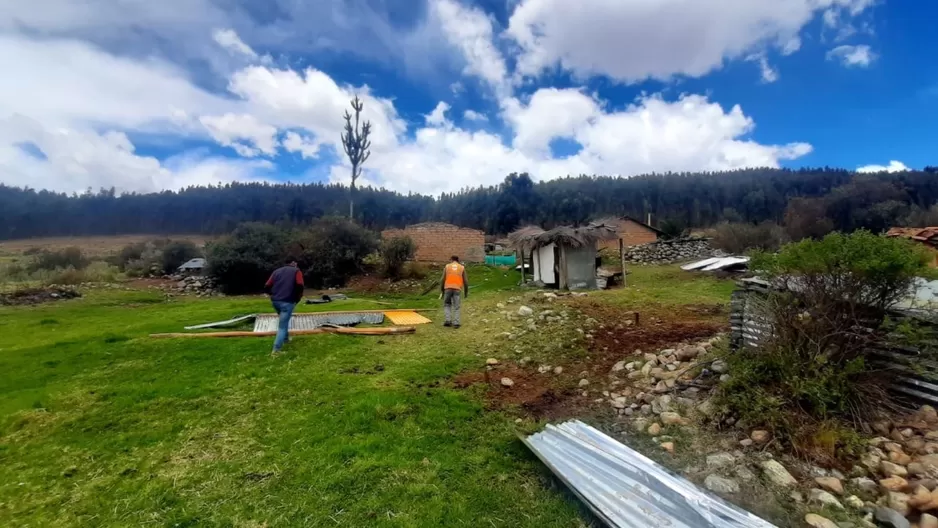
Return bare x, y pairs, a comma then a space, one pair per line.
632, 232
437, 242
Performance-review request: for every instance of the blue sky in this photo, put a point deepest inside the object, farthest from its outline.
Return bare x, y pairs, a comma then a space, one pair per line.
145, 96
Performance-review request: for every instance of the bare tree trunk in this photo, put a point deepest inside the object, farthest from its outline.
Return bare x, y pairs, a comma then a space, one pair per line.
351, 196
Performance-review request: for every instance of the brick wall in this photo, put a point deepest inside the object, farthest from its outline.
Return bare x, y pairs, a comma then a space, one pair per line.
438, 242
632, 233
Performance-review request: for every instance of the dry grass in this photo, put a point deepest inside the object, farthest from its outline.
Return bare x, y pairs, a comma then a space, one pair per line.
93, 246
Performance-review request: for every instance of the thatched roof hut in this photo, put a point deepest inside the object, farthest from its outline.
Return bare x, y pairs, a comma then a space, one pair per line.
564, 257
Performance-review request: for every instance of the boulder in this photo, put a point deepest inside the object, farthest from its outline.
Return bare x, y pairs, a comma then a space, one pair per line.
654, 429
890, 518
671, 418
719, 366
618, 367
854, 502
928, 521
816, 521
893, 483
525, 311
760, 436
891, 469
661, 404
899, 502
819, 496
864, 484
723, 486
491, 362
720, 460
831, 484
668, 446
777, 474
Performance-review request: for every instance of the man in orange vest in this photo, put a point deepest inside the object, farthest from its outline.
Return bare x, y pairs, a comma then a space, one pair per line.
454, 280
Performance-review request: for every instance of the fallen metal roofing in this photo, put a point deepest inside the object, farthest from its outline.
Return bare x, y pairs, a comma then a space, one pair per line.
625, 489
310, 321
715, 263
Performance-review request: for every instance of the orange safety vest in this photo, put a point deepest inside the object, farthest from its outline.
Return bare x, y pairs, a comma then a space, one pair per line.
453, 276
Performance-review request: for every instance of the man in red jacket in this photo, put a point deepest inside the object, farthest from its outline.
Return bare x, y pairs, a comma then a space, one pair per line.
285, 287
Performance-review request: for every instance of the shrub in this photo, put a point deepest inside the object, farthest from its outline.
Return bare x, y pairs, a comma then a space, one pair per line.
70, 257
176, 253
243, 260
395, 252
827, 308
332, 250
96, 271
742, 237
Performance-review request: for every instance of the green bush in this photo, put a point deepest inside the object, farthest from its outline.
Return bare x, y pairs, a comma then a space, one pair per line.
96, 271
176, 253
332, 250
155, 256
812, 373
243, 260
395, 252
742, 237
70, 257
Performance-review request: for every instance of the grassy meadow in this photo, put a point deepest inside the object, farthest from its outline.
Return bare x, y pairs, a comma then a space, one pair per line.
101, 425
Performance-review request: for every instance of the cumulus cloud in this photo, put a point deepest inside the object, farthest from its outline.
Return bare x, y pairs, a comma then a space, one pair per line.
438, 116
229, 39
852, 56
242, 132
632, 41
471, 31
304, 146
472, 115
894, 166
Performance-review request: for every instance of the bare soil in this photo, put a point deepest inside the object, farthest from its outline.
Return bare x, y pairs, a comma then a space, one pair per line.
36, 296
95, 246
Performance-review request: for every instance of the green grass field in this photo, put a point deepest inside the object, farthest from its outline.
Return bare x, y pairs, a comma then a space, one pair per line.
102, 426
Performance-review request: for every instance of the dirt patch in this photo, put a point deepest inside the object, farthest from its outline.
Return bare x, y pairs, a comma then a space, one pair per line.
36, 296
538, 395
376, 284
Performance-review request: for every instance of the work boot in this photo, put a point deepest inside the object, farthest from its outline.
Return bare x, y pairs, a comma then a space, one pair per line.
456, 326
447, 323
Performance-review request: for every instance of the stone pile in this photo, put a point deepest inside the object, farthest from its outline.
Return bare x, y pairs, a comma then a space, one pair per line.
195, 285
667, 251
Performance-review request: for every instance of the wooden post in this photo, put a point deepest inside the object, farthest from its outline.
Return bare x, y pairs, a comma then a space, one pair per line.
521, 252
562, 280
625, 280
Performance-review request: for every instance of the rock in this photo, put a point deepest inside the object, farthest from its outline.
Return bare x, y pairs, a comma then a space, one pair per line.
891, 447
620, 403
661, 404
917, 469
899, 502
890, 518
759, 436
719, 366
721, 485
654, 429
584, 382
816, 521
745, 474
854, 502
907, 433
901, 459
668, 446
720, 460
706, 408
651, 358
777, 474
865, 484
525, 311
893, 483
639, 425
646, 409
746, 442
646, 369
558, 370
928, 521
724, 378
824, 498
544, 369
507, 382
929, 462
491, 361
831, 484
636, 375
618, 367
671, 418
657, 373
893, 470
924, 500
688, 353
915, 445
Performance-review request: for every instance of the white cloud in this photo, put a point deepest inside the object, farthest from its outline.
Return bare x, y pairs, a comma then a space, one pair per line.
472, 115
229, 39
791, 46
242, 132
632, 41
859, 56
294, 142
471, 31
894, 166
551, 113
438, 116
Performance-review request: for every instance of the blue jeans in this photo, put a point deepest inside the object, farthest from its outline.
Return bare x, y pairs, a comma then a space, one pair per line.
285, 310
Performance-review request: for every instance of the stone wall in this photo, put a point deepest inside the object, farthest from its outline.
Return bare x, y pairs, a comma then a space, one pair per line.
437, 242
666, 251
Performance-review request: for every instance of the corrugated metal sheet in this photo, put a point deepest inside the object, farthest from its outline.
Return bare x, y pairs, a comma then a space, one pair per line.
406, 317
918, 375
625, 489
309, 321
715, 263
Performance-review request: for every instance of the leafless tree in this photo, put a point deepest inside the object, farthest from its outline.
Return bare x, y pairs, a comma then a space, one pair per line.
357, 147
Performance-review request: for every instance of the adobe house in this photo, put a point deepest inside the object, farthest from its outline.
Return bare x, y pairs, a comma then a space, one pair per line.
927, 236
438, 241
631, 232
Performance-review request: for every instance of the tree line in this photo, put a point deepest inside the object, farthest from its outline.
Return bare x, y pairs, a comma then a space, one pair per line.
818, 199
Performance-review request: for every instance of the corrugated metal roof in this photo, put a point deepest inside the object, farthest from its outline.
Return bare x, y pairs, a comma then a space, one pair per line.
623, 488
715, 263
310, 321
196, 263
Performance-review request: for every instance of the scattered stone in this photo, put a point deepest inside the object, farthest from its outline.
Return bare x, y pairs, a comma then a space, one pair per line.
899, 502
890, 518
893, 470
584, 382
721, 485
654, 429
618, 367
831, 484
639, 425
646, 409
746, 442
907, 433
646, 369
928, 520
893, 483
507, 382
668, 446
636, 375
544, 369
706, 408
745, 474
651, 358
525, 311
901, 459
924, 500
492, 361
865, 484
777, 474
760, 436
816, 521
720, 460
661, 404
558, 370
824, 498
796, 497
917, 469
688, 353
854, 502
724, 378
719, 366
671, 418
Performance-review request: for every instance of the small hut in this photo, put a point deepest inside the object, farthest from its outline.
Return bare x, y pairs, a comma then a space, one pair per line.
564, 257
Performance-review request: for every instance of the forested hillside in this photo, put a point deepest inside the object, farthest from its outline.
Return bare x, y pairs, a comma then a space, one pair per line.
806, 199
